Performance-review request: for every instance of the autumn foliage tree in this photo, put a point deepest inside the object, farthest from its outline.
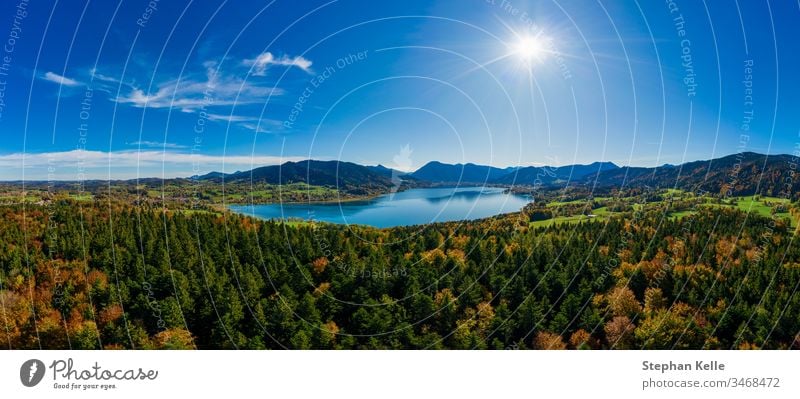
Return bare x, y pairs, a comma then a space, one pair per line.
111, 275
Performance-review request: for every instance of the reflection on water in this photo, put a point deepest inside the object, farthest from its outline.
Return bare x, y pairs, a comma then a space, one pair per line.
405, 208
468, 195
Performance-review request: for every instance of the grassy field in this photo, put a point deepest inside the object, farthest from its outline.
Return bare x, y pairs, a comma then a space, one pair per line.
562, 219
762, 206
189, 212
82, 197
680, 214
598, 214
555, 204
298, 223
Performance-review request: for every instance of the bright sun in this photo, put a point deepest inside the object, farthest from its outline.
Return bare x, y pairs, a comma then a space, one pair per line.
530, 48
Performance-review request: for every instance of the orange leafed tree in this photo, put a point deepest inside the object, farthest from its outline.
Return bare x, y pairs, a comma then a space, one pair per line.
619, 332
548, 341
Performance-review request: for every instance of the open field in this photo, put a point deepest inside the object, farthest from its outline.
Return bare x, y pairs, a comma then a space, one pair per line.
762, 206
576, 210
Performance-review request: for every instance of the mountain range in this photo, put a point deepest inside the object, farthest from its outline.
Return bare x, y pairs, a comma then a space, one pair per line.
738, 174
743, 173
345, 176
469, 173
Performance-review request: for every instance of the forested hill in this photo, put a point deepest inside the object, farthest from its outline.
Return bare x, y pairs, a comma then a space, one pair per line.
438, 172
108, 275
346, 176
561, 175
734, 175
442, 173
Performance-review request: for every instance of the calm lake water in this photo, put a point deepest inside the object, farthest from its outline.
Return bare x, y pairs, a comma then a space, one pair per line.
417, 206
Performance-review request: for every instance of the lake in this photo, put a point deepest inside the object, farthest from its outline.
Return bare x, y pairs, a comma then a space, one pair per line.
410, 207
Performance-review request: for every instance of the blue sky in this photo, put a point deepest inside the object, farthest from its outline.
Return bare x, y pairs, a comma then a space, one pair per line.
106, 90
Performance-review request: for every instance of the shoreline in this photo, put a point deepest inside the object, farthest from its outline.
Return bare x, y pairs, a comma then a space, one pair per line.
506, 189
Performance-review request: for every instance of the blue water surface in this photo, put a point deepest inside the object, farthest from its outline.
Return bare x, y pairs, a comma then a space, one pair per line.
410, 207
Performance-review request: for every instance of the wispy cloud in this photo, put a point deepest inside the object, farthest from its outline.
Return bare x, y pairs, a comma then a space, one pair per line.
65, 165
156, 144
107, 82
231, 118
263, 61
191, 92
62, 80
258, 125
214, 91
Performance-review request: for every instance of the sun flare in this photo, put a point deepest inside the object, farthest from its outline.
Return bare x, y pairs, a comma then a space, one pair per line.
530, 48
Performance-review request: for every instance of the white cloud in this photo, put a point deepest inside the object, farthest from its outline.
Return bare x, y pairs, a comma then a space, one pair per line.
254, 127
66, 165
261, 63
231, 118
253, 123
96, 75
156, 144
191, 93
214, 90
62, 80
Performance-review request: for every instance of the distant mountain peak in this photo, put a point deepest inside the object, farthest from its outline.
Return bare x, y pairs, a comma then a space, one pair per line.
711, 175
